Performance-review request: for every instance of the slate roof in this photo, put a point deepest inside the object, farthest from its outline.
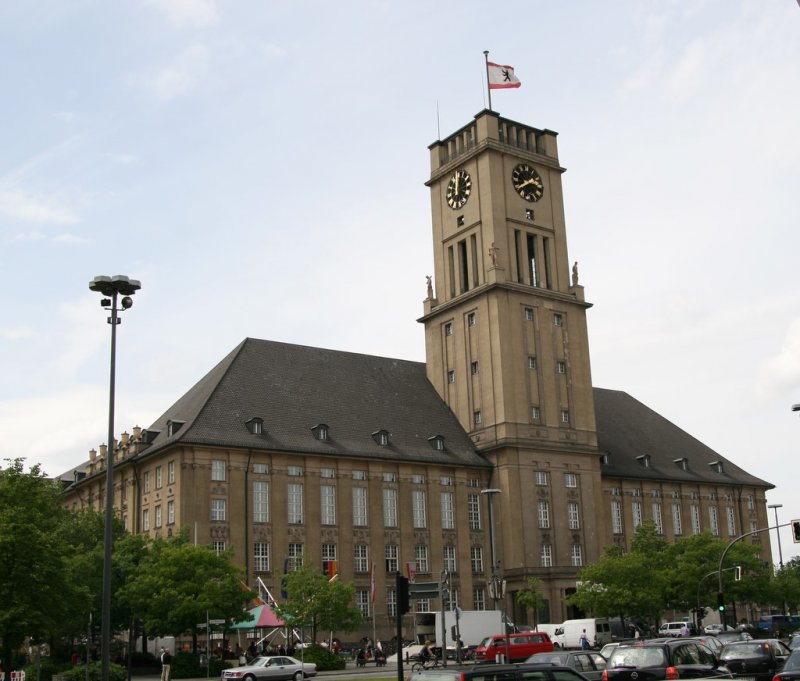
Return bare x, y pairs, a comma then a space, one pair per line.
294, 388
627, 429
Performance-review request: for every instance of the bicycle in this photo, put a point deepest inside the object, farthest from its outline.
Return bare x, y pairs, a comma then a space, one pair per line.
430, 663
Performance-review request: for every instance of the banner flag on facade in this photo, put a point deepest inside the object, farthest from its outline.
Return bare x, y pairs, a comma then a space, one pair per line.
330, 568
501, 76
372, 584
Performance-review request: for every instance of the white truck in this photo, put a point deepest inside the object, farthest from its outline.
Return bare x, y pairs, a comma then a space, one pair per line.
473, 626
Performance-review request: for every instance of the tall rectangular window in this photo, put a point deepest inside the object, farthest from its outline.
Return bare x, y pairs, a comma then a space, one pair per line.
359, 506
391, 603
361, 558
616, 517
677, 523
170, 513
463, 265
261, 556
476, 559
218, 510
218, 547
418, 509
260, 501
636, 511
171, 473
573, 519
731, 516
145, 520
421, 557
389, 507
547, 555
294, 499
713, 520
576, 558
479, 598
657, 519
695, 511
146, 482
390, 553
448, 512
473, 512
295, 553
218, 470
543, 509
327, 504
158, 477
449, 558
541, 478
158, 516
329, 552
570, 480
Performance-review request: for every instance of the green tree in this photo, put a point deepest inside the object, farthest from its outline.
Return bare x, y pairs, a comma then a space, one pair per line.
32, 555
531, 597
786, 586
177, 584
317, 604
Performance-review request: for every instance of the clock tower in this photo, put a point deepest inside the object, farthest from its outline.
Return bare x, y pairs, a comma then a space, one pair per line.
507, 344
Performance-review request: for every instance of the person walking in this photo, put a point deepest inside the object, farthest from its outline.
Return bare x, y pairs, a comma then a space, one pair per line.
584, 641
166, 662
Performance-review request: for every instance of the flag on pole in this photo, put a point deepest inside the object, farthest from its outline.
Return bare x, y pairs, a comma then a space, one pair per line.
501, 76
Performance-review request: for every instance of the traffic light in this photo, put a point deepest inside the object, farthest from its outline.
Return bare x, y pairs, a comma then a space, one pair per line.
796, 531
403, 601
720, 601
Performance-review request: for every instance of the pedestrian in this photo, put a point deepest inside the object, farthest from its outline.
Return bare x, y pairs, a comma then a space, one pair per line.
166, 662
584, 641
685, 630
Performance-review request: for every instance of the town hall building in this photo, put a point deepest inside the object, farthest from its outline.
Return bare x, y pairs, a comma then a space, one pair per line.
495, 459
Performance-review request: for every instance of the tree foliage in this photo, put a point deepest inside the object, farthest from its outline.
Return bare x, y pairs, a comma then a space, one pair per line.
32, 556
531, 597
177, 584
316, 604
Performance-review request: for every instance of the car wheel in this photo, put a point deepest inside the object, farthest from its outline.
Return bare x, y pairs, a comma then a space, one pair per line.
249, 677
298, 676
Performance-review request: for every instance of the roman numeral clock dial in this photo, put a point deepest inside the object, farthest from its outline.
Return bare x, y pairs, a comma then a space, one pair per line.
458, 189
527, 183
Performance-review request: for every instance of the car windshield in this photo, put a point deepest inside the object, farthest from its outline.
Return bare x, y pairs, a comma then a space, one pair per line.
638, 657
487, 642
743, 650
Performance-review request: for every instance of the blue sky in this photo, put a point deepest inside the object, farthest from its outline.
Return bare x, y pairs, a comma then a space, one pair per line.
260, 167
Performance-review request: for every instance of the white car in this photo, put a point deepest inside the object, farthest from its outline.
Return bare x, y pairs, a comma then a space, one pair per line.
271, 668
716, 628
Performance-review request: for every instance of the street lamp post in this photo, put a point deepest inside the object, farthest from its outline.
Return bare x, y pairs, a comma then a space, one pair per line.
111, 288
775, 507
496, 584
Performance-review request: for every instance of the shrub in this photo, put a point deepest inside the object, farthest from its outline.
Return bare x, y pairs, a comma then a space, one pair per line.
140, 660
322, 657
47, 667
116, 672
187, 666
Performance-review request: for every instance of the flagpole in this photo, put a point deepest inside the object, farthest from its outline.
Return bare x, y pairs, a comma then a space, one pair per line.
488, 89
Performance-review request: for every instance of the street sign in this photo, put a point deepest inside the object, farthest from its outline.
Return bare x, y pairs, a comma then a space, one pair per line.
216, 621
423, 589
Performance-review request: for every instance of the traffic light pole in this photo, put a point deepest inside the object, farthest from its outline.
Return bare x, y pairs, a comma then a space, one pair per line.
720, 592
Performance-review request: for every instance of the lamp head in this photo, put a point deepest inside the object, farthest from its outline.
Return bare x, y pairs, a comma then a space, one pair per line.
127, 302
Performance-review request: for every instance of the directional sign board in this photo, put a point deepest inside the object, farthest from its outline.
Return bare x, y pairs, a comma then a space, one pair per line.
423, 589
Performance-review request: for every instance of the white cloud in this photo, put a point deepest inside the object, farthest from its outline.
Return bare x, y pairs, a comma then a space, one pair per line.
781, 372
17, 333
29, 236
188, 13
20, 206
183, 74
68, 238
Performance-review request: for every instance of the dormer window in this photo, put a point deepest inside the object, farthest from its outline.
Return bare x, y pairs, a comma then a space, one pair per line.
644, 460
437, 442
148, 436
682, 463
381, 437
173, 427
255, 425
716, 466
605, 459
320, 431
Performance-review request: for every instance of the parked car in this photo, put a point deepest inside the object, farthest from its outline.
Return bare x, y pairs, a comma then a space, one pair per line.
672, 658
731, 636
272, 668
794, 642
608, 648
587, 662
711, 642
791, 668
497, 672
716, 628
520, 646
757, 659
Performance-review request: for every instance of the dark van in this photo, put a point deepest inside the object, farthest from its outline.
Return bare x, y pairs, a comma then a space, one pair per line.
497, 672
520, 646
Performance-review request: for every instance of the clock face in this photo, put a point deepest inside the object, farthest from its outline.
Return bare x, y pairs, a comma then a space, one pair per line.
458, 189
527, 182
